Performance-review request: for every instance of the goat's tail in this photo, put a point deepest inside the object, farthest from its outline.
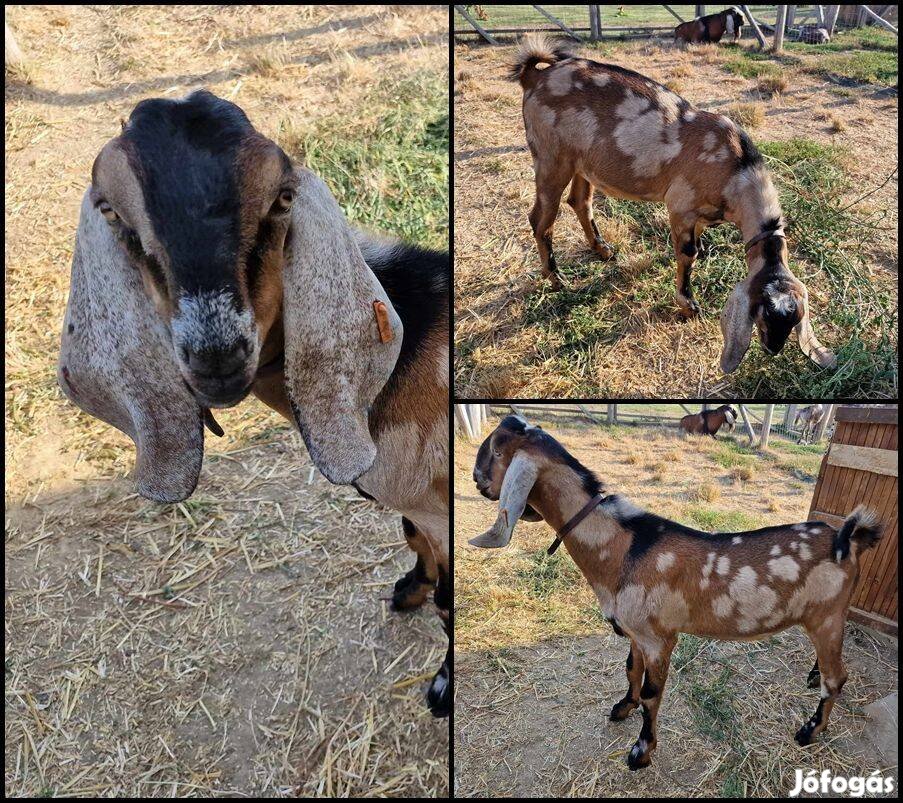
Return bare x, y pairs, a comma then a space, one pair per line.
861, 529
536, 48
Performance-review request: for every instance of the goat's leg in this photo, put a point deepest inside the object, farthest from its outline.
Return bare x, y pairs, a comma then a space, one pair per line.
580, 200
657, 655
635, 667
683, 237
828, 641
701, 251
814, 679
439, 696
412, 590
549, 186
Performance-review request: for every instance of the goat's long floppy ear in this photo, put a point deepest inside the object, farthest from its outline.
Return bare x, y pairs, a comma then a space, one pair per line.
809, 343
519, 479
342, 335
736, 327
116, 363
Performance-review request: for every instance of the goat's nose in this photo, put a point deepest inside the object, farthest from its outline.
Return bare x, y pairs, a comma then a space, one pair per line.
217, 362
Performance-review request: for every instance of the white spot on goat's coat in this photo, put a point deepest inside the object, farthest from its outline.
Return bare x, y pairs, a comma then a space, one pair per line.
645, 134
786, 568
664, 561
775, 551
724, 565
736, 540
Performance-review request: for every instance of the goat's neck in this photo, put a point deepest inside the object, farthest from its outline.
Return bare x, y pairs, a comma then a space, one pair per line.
755, 204
598, 544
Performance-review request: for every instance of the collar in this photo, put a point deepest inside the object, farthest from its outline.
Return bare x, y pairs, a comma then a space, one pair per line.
574, 521
778, 232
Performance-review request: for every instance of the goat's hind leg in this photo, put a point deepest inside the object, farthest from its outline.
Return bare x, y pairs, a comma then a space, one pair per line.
413, 589
814, 679
580, 200
828, 643
635, 667
550, 183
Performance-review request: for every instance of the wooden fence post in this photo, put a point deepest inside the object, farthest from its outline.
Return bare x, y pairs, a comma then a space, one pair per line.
463, 422
766, 426
752, 21
612, 413
749, 430
476, 26
825, 422
779, 24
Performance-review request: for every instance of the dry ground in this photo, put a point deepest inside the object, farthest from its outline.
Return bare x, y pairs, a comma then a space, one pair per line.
537, 668
617, 334
239, 643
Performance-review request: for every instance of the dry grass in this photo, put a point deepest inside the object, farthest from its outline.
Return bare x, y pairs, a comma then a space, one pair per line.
538, 668
238, 643
772, 85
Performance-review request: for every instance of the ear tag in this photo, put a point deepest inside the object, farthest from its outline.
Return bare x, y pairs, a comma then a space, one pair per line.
386, 335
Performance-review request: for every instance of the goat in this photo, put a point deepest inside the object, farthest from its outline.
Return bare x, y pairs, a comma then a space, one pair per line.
655, 578
208, 266
711, 27
811, 417
600, 125
708, 422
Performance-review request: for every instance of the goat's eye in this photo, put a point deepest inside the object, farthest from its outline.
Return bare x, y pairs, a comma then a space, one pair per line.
107, 211
284, 201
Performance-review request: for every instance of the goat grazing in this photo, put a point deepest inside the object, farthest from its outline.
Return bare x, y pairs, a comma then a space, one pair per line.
811, 417
207, 266
711, 27
708, 422
655, 578
601, 126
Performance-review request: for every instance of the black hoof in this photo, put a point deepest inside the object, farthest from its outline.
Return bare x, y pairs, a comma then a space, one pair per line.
638, 758
804, 735
620, 711
439, 695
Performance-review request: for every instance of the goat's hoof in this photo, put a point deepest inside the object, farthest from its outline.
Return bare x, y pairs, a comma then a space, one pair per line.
603, 249
638, 757
620, 711
805, 734
410, 595
814, 680
689, 309
439, 694
554, 281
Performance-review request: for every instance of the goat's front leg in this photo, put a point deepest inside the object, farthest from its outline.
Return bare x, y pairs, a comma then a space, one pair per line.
412, 590
683, 237
657, 654
635, 667
580, 200
814, 679
440, 693
828, 641
550, 183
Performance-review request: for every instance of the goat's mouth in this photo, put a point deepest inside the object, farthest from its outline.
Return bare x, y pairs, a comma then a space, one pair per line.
484, 491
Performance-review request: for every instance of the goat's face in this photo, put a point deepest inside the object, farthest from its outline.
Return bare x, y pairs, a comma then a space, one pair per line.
772, 300
496, 453
730, 415
202, 203
196, 238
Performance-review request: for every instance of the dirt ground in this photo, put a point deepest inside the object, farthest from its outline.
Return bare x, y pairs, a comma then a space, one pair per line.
239, 643
500, 348
538, 669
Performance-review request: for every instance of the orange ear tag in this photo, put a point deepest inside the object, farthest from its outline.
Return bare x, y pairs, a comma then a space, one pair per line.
386, 335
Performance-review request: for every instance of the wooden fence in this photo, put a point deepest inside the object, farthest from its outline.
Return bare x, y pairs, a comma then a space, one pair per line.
860, 467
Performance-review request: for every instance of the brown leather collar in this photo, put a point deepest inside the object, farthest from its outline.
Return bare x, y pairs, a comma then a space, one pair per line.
778, 232
574, 521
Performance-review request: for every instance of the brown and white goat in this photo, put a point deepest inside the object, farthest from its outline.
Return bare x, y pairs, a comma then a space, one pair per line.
711, 27
655, 578
708, 422
208, 266
600, 126
811, 417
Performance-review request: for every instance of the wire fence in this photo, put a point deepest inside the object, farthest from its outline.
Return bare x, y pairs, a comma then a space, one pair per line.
594, 22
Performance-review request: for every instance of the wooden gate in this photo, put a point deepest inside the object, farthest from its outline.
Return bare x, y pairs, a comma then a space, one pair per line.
860, 467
